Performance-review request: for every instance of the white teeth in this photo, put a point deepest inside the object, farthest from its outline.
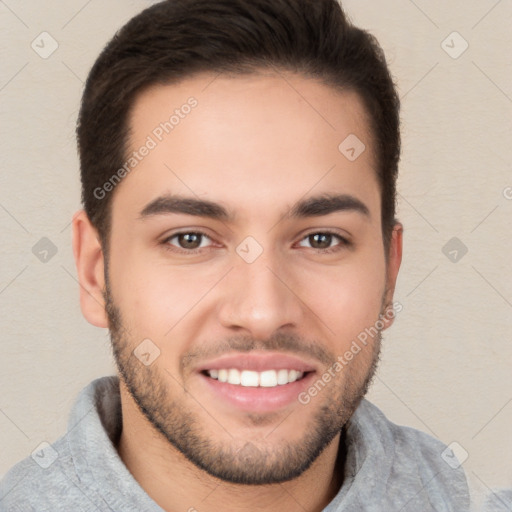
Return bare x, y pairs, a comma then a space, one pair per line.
233, 376
268, 379
293, 375
249, 378
282, 377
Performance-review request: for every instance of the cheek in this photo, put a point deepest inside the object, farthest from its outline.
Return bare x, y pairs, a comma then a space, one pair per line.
347, 299
155, 297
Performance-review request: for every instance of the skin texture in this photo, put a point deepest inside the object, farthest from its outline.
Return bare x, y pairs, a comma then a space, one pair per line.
255, 145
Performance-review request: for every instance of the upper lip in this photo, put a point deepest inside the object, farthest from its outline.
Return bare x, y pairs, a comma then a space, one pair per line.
258, 362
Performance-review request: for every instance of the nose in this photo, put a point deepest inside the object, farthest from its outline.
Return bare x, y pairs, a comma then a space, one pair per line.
260, 298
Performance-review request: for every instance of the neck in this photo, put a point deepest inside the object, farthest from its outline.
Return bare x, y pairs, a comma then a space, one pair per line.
174, 483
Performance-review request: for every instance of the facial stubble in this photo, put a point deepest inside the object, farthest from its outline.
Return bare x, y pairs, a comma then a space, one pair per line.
163, 400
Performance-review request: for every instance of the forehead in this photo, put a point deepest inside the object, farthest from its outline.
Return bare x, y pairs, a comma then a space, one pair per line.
249, 140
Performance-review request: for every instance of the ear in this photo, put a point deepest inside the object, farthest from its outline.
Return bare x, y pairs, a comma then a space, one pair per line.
392, 268
90, 267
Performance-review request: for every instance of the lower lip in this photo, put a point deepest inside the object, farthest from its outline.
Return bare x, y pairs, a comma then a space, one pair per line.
258, 399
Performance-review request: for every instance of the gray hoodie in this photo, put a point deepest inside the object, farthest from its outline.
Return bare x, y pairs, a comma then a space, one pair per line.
388, 468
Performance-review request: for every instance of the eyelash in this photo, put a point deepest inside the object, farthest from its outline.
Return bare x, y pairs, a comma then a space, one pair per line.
343, 242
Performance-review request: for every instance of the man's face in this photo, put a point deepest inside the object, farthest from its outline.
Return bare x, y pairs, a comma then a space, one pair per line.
265, 285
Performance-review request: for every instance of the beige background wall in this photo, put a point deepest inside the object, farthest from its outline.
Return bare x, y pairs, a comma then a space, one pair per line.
447, 362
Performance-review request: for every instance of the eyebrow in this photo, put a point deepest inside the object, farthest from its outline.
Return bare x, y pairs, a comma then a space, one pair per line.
316, 206
185, 205
326, 204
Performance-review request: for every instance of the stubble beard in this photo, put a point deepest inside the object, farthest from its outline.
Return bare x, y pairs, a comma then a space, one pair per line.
155, 391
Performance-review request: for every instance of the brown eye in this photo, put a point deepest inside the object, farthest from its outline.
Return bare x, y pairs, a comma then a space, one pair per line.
324, 241
320, 240
188, 240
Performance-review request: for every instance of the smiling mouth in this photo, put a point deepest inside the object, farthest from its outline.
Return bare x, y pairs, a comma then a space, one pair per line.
250, 378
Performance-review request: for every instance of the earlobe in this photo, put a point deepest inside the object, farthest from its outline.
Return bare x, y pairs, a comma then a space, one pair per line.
393, 266
90, 268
